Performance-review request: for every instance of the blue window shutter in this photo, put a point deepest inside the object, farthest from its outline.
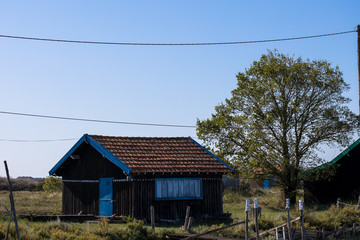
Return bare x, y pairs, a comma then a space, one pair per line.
178, 188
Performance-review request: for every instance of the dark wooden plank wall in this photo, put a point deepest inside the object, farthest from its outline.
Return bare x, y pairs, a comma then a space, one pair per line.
122, 198
91, 166
80, 197
84, 196
210, 205
134, 199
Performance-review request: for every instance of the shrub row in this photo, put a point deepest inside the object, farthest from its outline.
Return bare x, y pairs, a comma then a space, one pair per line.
132, 230
49, 184
21, 184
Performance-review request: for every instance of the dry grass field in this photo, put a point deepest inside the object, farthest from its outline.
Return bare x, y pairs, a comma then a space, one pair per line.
39, 203
273, 213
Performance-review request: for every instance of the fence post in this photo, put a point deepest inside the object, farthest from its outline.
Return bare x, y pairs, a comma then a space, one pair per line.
288, 217
338, 202
283, 232
353, 229
152, 218
12, 201
247, 219
256, 218
187, 218
190, 224
336, 231
358, 205
301, 208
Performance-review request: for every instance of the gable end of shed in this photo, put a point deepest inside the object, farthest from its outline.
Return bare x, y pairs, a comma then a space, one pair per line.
101, 149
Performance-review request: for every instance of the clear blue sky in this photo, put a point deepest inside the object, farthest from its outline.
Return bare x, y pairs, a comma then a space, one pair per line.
151, 84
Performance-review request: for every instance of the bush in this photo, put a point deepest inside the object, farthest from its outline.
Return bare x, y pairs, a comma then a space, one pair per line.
23, 185
265, 223
40, 186
259, 192
25, 231
340, 217
333, 217
244, 188
19, 184
52, 184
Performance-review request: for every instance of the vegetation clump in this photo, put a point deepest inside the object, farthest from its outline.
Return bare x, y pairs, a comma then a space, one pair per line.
334, 217
52, 184
132, 230
281, 112
22, 184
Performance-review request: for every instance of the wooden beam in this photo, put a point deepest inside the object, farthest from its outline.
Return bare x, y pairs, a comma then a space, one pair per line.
12, 201
358, 54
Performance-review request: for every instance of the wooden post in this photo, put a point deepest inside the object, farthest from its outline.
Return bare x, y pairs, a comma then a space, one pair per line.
283, 232
132, 198
190, 224
187, 217
353, 230
152, 217
247, 203
276, 234
301, 208
358, 53
288, 217
335, 231
256, 219
338, 202
7, 230
12, 201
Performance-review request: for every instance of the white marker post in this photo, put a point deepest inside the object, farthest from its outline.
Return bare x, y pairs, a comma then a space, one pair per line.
288, 217
301, 209
256, 218
247, 204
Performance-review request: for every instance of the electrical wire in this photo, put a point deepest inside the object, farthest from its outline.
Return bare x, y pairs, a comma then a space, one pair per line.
174, 44
96, 120
38, 140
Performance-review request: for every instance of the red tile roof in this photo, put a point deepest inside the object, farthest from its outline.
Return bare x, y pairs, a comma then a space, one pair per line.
154, 155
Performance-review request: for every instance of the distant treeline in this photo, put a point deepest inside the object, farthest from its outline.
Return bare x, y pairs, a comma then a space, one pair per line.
23, 184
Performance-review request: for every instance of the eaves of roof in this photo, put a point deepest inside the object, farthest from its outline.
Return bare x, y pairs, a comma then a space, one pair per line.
230, 168
338, 157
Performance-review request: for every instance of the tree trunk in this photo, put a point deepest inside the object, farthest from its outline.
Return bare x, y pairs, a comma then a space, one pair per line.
290, 192
290, 185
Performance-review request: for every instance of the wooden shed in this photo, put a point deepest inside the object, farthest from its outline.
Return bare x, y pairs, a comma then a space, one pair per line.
106, 175
344, 184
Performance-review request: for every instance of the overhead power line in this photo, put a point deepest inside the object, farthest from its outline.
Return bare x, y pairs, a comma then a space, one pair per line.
38, 140
96, 120
174, 44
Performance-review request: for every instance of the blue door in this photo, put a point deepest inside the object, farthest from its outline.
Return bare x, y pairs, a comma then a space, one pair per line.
106, 197
266, 183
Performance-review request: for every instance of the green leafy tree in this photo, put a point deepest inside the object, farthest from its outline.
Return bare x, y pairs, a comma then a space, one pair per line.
52, 184
282, 111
